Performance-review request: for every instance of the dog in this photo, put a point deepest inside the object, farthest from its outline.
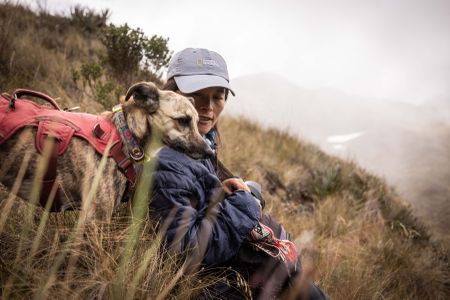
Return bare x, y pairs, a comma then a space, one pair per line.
147, 110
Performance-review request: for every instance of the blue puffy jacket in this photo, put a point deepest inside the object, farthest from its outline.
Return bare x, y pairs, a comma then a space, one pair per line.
183, 196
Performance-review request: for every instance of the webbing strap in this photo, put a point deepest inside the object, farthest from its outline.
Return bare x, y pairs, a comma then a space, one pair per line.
125, 165
49, 181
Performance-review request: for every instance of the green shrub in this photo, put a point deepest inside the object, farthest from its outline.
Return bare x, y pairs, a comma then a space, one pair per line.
327, 181
128, 51
106, 93
90, 73
157, 53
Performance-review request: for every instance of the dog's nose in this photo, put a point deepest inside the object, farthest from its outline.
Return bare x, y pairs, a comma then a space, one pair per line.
201, 152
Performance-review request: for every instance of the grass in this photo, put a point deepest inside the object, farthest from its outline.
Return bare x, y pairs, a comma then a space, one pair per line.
63, 256
95, 272
355, 235
358, 235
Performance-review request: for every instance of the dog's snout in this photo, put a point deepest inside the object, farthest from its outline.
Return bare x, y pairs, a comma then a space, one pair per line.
209, 153
199, 149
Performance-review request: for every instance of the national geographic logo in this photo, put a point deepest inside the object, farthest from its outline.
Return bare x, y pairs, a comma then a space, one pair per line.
208, 62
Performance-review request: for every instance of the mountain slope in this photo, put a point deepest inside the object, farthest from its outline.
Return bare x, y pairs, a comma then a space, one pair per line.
406, 144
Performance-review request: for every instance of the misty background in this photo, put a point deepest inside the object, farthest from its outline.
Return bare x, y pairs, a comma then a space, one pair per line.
365, 80
408, 145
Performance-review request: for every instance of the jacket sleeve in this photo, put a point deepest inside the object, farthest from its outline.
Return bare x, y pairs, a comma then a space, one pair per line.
212, 234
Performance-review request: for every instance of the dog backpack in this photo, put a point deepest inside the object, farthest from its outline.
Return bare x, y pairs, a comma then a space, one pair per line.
62, 125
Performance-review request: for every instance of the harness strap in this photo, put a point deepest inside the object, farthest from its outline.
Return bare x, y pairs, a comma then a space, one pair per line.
125, 165
49, 181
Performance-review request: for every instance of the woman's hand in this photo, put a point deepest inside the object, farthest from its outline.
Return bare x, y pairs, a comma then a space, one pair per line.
234, 184
237, 184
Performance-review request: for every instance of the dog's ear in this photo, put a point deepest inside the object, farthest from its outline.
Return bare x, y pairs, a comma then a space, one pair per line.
145, 95
192, 100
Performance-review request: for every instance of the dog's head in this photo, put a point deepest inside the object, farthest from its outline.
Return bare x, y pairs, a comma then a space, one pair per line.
172, 114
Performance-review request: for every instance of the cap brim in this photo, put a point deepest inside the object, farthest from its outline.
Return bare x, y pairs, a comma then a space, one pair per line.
192, 83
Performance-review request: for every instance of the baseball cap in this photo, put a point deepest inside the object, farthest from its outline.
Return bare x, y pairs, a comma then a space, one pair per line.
194, 69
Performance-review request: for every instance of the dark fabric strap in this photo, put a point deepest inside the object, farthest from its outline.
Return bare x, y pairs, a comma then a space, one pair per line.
49, 181
125, 165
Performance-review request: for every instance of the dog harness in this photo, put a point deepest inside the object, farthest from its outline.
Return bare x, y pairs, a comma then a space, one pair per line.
61, 125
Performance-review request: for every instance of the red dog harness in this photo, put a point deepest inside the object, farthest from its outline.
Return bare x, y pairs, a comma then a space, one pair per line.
62, 125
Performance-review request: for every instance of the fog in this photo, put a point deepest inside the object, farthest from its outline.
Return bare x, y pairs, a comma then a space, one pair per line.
408, 145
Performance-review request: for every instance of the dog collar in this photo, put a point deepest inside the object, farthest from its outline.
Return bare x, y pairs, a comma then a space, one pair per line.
135, 151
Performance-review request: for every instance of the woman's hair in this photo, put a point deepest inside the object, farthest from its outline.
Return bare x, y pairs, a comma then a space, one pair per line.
170, 85
222, 172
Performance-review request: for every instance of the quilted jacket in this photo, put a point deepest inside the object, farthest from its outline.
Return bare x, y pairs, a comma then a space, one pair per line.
184, 193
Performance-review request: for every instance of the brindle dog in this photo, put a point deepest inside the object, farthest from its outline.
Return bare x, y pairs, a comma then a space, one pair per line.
145, 106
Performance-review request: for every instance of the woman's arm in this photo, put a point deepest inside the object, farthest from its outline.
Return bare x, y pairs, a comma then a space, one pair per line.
213, 234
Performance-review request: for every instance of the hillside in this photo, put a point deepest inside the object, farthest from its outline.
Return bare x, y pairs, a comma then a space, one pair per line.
356, 236
406, 144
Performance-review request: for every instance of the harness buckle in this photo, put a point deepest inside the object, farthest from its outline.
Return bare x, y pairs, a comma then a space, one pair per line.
124, 164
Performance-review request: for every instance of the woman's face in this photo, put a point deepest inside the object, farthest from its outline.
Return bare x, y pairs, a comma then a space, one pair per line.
209, 104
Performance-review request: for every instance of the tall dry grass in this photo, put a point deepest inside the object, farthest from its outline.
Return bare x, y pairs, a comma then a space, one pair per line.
97, 271
359, 238
70, 255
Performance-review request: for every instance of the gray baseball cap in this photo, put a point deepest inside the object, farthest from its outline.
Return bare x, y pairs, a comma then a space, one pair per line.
195, 68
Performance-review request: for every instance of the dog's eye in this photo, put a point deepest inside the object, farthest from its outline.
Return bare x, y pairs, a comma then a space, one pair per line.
184, 121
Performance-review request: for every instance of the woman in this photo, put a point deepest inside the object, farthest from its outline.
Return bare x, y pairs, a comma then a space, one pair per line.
218, 221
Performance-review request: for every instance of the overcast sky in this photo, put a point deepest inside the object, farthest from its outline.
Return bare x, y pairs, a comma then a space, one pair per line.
382, 49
